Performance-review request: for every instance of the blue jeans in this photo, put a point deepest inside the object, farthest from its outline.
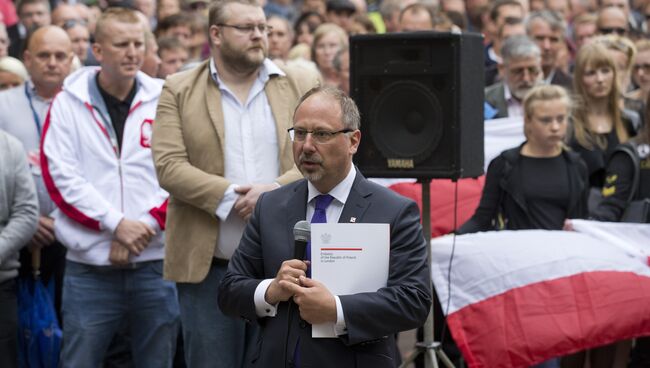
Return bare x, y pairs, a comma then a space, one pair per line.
98, 299
212, 339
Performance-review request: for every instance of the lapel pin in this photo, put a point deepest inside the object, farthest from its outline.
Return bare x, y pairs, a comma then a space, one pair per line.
353, 219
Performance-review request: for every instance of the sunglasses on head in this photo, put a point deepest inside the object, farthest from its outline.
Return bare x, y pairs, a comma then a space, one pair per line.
74, 22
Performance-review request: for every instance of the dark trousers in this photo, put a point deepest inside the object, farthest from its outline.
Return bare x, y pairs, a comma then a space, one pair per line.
640, 357
8, 325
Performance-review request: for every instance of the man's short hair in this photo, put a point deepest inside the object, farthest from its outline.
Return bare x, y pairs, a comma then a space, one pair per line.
170, 43
494, 10
519, 47
20, 4
585, 18
508, 22
340, 7
389, 7
547, 4
284, 21
552, 18
350, 116
216, 14
416, 8
122, 15
172, 21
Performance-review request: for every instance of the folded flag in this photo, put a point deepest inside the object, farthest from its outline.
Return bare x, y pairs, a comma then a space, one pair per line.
517, 298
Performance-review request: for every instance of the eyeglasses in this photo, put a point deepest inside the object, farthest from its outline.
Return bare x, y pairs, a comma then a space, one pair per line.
248, 28
520, 72
644, 67
609, 30
320, 136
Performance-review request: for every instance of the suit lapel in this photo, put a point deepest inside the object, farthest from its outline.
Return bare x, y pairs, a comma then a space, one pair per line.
277, 92
297, 206
215, 110
357, 202
502, 106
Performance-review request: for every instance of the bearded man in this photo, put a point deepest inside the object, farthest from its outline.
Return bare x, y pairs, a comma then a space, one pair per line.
520, 70
220, 140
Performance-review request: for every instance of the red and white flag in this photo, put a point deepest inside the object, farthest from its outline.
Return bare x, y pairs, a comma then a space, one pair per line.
517, 298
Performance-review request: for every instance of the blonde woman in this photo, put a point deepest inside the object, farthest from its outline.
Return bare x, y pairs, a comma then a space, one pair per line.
598, 124
539, 184
623, 51
328, 40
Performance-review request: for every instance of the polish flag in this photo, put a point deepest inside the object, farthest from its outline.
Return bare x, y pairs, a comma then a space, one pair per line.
517, 298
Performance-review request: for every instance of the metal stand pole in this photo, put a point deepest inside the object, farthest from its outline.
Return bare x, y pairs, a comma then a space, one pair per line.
431, 349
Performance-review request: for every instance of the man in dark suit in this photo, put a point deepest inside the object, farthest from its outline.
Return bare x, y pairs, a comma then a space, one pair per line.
264, 283
33, 14
521, 70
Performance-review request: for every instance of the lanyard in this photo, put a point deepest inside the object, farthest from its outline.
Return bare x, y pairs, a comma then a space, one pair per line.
31, 106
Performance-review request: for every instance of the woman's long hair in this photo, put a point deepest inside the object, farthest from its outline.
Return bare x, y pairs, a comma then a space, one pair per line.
643, 137
594, 55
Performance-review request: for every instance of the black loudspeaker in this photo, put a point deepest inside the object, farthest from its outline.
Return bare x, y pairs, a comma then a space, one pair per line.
421, 101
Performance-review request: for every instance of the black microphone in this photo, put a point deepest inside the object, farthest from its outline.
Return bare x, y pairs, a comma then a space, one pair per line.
301, 235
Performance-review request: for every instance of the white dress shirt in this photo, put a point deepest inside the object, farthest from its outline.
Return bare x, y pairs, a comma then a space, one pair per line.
515, 108
251, 150
333, 213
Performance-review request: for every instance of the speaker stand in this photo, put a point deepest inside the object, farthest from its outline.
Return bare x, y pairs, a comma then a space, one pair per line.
429, 348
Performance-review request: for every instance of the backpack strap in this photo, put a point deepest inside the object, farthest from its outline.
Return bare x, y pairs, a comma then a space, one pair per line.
629, 149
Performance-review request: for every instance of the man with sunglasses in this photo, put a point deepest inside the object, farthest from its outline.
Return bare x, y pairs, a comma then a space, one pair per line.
633, 18
220, 140
65, 13
266, 283
612, 20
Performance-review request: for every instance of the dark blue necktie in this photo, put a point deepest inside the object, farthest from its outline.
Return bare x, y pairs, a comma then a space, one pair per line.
319, 217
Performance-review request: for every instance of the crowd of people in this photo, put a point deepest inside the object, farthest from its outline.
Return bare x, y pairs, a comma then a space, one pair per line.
138, 136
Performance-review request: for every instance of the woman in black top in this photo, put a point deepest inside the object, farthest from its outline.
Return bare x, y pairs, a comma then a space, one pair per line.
597, 123
619, 178
617, 191
538, 184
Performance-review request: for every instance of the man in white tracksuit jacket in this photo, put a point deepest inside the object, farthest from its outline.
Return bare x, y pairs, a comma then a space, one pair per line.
97, 167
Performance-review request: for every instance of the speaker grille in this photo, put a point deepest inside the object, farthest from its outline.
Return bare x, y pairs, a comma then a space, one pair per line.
420, 96
407, 121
